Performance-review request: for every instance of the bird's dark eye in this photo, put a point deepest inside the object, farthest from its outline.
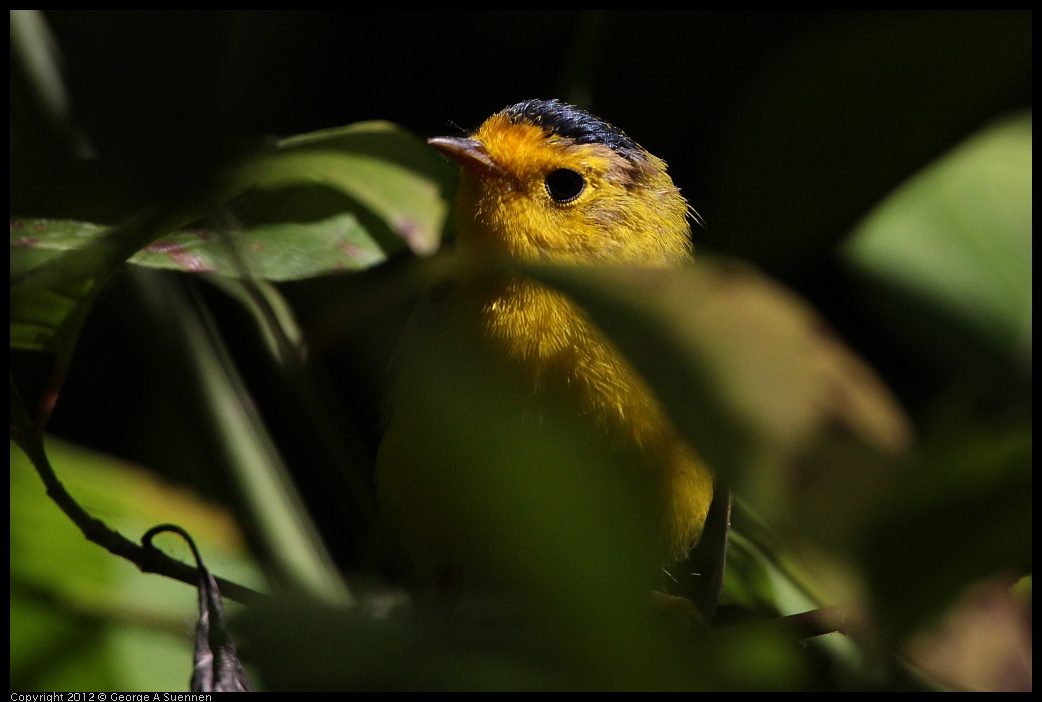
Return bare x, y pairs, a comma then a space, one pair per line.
564, 185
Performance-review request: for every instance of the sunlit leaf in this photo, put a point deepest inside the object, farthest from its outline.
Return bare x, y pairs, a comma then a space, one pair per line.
385, 169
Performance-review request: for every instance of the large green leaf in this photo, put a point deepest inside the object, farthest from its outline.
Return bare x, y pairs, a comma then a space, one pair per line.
381, 166
276, 252
750, 374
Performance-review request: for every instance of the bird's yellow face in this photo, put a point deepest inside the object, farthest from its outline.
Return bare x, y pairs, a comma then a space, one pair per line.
552, 183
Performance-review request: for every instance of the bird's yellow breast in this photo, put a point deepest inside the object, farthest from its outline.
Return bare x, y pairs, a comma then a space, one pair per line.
559, 356
561, 353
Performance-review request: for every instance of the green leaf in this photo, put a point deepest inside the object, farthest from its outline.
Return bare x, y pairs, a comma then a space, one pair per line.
50, 301
274, 252
385, 169
956, 241
303, 231
857, 119
750, 374
390, 179
290, 251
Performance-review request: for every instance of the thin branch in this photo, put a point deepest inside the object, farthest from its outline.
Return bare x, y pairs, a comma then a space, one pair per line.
818, 622
148, 560
50, 393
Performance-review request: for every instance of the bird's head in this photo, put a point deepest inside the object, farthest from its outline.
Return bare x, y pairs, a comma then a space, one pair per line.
546, 181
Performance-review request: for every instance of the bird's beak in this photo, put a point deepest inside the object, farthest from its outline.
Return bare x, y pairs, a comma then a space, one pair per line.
469, 153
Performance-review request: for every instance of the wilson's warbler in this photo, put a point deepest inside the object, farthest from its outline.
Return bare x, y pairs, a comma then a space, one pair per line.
544, 181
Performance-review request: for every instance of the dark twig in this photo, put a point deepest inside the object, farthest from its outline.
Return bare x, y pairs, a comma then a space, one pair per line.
148, 560
817, 622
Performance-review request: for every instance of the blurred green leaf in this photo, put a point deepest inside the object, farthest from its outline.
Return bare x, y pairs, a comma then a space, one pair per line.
548, 521
841, 111
456, 407
777, 404
955, 243
298, 646
82, 619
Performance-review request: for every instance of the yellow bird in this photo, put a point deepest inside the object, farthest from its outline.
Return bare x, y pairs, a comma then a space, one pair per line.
546, 182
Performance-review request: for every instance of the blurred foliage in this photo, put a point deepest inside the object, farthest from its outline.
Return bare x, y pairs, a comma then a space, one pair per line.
83, 619
879, 164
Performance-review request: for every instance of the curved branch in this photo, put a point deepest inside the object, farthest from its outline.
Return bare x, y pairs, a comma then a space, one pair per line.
149, 560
